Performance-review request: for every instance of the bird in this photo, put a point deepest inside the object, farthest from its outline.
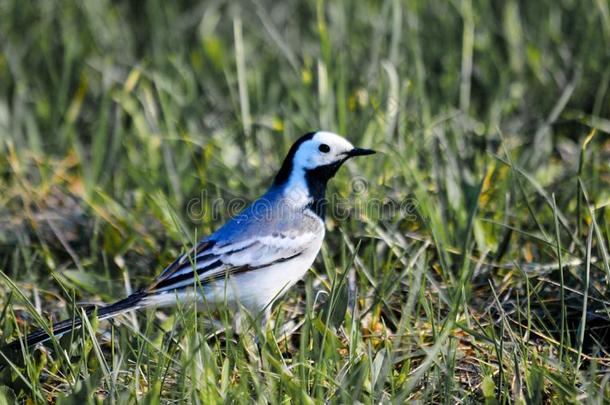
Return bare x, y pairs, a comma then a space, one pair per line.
256, 256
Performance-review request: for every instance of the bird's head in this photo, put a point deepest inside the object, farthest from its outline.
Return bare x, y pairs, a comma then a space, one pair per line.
319, 149
314, 159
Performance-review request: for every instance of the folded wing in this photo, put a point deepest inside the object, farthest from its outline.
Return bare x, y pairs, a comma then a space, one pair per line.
210, 261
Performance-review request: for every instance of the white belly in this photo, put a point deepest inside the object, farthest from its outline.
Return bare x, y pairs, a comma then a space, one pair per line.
257, 289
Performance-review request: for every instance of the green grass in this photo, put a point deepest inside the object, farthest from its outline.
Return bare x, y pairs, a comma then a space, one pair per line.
122, 124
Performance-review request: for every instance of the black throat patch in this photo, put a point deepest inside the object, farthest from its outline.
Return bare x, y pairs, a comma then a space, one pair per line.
317, 180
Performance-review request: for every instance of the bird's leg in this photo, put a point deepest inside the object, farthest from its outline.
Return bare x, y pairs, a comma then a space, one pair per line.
264, 317
262, 331
246, 327
264, 321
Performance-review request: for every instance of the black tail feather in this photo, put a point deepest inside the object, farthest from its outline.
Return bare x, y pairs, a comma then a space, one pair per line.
130, 303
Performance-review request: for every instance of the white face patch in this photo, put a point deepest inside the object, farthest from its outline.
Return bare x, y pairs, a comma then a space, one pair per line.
323, 149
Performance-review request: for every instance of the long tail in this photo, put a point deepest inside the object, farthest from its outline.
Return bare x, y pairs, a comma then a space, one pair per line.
127, 304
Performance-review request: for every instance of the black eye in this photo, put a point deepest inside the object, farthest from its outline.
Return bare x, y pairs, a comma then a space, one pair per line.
324, 148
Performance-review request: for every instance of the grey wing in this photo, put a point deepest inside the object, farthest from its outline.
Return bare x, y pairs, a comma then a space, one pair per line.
211, 260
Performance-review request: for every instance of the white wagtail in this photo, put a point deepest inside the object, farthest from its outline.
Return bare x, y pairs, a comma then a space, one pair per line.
256, 256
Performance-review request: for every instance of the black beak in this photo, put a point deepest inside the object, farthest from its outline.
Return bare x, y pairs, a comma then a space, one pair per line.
360, 152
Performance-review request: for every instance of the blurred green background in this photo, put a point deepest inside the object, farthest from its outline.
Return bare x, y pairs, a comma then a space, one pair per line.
118, 118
